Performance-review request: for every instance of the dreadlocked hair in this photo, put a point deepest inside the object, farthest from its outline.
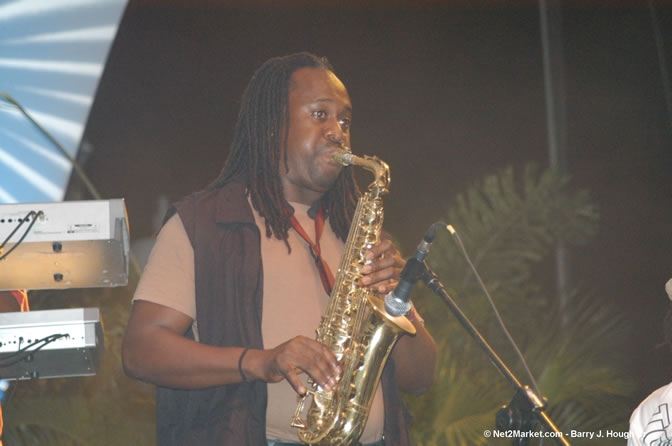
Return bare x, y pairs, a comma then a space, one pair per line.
257, 144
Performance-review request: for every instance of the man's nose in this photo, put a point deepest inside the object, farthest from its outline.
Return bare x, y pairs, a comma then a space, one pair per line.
333, 131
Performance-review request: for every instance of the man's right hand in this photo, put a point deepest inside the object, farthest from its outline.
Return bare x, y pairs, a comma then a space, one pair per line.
286, 361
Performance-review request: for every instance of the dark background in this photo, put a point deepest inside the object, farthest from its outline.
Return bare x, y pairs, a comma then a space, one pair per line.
445, 92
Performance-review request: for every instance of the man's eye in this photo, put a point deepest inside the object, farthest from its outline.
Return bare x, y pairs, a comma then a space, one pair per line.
345, 124
319, 114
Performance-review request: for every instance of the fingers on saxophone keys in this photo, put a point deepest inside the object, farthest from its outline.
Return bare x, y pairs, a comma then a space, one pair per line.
387, 286
323, 379
321, 365
383, 249
313, 370
295, 382
329, 369
383, 279
380, 264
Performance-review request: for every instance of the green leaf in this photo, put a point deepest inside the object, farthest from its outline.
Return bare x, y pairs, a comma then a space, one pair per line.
509, 225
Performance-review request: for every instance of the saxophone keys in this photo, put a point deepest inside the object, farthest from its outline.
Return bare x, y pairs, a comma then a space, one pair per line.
297, 422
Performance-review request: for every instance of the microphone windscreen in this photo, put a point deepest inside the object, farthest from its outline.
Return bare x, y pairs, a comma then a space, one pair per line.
668, 288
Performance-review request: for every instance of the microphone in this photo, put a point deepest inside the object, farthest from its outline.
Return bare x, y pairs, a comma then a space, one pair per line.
397, 301
668, 288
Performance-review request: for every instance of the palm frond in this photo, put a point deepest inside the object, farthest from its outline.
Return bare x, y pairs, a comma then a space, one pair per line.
509, 225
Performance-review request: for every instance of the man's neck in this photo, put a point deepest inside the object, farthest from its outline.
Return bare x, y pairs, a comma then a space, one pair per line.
303, 196
313, 208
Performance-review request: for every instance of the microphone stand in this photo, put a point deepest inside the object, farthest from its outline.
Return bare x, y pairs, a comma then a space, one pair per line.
526, 409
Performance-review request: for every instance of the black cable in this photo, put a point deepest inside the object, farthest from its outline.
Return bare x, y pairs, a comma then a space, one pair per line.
24, 352
498, 317
47, 339
30, 226
21, 222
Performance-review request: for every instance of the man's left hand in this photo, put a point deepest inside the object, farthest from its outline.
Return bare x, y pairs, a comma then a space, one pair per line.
384, 271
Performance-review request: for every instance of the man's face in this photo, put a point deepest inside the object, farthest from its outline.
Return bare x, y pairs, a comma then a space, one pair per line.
319, 119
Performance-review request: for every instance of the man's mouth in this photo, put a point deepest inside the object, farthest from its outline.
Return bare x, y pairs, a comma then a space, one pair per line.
331, 152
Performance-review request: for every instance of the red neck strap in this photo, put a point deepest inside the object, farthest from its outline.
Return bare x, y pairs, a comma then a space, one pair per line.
325, 273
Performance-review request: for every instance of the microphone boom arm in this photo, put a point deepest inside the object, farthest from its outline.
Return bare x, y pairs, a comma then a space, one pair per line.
526, 402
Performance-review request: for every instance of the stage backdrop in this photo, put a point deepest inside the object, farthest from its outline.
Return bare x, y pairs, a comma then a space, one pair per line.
52, 55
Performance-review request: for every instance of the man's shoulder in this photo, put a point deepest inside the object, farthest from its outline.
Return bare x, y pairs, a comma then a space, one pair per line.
224, 204
229, 193
650, 423
652, 403
663, 393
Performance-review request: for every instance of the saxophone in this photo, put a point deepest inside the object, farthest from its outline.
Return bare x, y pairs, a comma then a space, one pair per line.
356, 327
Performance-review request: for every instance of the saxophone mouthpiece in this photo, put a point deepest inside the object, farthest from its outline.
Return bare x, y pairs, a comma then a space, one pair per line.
343, 155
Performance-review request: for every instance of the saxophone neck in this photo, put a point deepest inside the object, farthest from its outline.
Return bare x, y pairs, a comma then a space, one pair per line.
379, 168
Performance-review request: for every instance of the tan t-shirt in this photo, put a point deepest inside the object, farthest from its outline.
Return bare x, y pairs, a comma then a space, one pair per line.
291, 282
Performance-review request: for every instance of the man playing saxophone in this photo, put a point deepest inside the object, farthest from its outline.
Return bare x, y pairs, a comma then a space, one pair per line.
224, 316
